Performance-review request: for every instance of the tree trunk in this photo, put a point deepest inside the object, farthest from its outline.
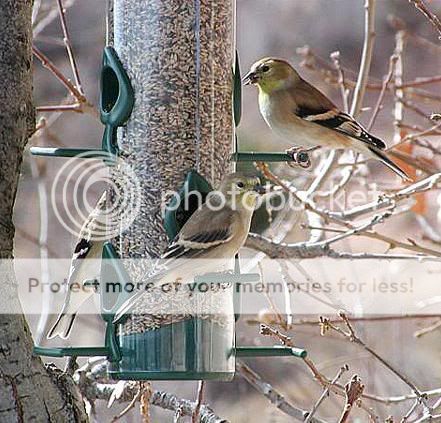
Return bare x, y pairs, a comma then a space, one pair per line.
28, 391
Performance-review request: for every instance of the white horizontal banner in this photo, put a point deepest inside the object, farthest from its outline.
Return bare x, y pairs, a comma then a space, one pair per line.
319, 286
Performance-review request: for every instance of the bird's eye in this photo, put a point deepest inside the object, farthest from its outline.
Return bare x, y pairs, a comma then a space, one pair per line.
265, 68
240, 185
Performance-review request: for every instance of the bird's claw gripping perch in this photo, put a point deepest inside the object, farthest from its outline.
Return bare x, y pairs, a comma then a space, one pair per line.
300, 156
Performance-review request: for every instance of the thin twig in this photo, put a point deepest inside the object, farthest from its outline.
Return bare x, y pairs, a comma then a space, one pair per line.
412, 106
386, 81
199, 399
366, 57
433, 19
354, 389
131, 405
59, 108
325, 392
335, 57
68, 44
45, 61
266, 330
429, 329
400, 37
278, 315
357, 100
39, 26
374, 319
144, 408
85, 105
410, 412
418, 82
271, 393
423, 185
393, 243
353, 337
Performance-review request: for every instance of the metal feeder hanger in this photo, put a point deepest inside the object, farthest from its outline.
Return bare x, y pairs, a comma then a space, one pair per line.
149, 355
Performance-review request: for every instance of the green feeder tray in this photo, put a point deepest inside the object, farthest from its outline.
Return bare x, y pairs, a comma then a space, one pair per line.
192, 349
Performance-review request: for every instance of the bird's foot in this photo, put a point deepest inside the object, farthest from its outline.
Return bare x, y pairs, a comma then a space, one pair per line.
300, 156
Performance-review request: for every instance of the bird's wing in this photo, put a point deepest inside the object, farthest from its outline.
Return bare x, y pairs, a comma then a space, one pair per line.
195, 239
314, 106
85, 240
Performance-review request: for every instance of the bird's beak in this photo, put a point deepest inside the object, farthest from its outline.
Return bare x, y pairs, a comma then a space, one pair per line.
250, 78
260, 189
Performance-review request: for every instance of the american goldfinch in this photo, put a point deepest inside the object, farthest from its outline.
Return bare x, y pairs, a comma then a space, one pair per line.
210, 238
83, 267
297, 111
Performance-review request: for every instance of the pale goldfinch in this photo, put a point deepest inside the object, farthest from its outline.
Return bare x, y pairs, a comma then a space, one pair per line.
300, 113
83, 267
210, 238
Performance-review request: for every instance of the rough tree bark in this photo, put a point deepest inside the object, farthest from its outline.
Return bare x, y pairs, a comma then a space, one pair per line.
28, 391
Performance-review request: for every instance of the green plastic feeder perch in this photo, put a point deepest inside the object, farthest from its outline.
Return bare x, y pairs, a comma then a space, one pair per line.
192, 349
301, 157
116, 104
195, 348
111, 270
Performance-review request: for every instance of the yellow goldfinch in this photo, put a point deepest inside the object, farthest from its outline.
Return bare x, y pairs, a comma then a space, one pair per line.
83, 267
297, 111
210, 239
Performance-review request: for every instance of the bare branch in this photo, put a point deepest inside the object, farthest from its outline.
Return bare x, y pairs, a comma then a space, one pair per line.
39, 26
389, 200
272, 394
129, 407
266, 330
335, 57
429, 329
366, 57
59, 108
433, 19
353, 337
86, 106
94, 390
57, 73
354, 389
68, 44
386, 81
325, 392
199, 400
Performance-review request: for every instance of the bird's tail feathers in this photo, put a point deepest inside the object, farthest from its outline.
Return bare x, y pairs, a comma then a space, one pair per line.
381, 155
62, 327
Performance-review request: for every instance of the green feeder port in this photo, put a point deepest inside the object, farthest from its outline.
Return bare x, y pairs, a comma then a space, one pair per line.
116, 104
193, 348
